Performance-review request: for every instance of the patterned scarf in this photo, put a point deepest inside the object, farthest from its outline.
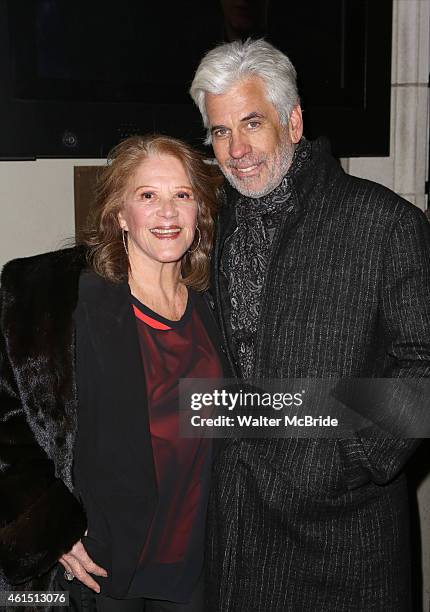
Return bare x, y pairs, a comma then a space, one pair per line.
246, 255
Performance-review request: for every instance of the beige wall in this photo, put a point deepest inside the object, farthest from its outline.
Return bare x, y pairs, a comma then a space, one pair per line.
37, 205
405, 170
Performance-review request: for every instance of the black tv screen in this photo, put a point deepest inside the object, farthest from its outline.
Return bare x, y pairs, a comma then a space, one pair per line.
102, 51
77, 77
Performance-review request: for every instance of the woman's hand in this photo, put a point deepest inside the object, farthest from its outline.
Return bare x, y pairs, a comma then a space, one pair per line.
78, 563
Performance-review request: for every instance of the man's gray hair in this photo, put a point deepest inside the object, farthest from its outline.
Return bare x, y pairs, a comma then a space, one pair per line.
229, 63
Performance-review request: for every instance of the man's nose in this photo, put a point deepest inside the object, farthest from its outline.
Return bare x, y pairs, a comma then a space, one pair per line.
239, 146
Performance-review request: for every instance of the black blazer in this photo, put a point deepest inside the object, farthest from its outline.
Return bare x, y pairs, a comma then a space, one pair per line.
114, 440
313, 524
40, 517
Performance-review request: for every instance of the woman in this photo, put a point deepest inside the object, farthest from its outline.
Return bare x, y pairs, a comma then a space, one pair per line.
94, 341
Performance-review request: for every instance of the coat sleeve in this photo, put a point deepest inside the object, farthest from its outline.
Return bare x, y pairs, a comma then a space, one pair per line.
405, 321
40, 518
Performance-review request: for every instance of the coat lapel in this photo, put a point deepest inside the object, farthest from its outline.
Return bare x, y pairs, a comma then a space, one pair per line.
205, 307
115, 366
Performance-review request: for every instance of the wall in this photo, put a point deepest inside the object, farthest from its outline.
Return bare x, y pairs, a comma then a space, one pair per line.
37, 197
405, 170
37, 204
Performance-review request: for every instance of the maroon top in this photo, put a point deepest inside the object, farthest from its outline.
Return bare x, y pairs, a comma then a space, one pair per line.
172, 557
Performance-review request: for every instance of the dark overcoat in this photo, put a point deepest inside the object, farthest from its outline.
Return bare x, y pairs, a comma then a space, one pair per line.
41, 516
313, 524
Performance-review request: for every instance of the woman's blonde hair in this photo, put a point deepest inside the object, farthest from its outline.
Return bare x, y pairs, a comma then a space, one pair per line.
103, 236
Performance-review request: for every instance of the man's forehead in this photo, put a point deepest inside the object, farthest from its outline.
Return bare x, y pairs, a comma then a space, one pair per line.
243, 100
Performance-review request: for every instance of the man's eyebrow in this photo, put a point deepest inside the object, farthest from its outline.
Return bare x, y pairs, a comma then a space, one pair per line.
254, 115
217, 127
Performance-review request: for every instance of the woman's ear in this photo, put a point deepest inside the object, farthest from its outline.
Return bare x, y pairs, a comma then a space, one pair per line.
122, 222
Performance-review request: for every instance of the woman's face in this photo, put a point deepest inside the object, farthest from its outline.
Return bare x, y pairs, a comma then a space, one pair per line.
160, 211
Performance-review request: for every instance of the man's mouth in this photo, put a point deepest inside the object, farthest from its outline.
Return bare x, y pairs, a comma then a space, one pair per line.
250, 170
245, 168
164, 233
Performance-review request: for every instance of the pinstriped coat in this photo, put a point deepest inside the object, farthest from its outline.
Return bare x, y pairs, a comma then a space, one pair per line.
310, 524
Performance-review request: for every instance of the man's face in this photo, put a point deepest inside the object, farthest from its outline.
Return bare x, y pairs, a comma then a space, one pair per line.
253, 149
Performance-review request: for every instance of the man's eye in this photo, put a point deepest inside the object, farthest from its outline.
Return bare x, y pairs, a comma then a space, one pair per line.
220, 132
254, 124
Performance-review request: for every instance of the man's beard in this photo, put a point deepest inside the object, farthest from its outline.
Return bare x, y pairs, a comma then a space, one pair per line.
277, 164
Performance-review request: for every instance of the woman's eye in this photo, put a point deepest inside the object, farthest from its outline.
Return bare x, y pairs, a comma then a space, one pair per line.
146, 195
184, 195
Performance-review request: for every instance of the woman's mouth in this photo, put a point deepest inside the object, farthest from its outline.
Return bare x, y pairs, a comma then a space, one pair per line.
166, 233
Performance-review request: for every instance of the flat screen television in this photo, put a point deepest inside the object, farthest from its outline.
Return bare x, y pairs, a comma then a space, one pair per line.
77, 77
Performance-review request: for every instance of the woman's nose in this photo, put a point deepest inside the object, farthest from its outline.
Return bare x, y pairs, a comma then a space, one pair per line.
168, 208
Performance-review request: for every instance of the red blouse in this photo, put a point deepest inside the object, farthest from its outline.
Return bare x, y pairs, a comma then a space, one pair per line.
172, 557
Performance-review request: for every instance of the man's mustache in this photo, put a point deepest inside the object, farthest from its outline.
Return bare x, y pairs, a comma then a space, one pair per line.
245, 162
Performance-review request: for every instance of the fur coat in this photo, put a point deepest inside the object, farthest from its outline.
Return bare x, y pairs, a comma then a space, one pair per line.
40, 518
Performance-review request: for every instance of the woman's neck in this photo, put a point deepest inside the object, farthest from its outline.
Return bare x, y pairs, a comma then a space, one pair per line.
159, 286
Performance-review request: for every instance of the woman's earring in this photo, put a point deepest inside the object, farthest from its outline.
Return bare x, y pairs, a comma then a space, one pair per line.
198, 242
124, 241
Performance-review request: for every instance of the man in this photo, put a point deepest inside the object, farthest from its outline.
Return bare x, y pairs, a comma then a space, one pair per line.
316, 274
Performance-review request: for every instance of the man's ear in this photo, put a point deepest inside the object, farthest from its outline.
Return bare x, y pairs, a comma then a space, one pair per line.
295, 124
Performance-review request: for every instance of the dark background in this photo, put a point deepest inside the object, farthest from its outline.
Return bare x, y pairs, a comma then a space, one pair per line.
76, 77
